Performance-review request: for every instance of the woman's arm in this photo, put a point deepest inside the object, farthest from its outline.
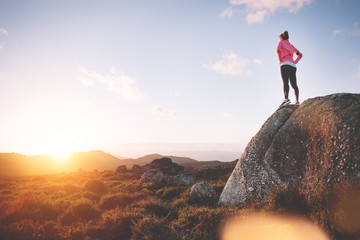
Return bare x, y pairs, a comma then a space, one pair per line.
299, 56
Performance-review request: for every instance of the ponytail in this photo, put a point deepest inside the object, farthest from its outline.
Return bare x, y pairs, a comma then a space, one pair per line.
285, 35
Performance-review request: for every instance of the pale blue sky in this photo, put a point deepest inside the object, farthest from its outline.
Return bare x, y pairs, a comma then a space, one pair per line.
84, 75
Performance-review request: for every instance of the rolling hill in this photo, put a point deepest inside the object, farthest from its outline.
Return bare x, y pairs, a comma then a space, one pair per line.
17, 164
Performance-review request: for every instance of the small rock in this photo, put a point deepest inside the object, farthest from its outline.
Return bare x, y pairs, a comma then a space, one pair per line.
121, 169
137, 169
203, 189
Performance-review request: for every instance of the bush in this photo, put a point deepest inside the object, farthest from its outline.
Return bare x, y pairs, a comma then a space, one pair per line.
30, 207
115, 224
169, 193
85, 211
81, 211
95, 186
152, 228
116, 200
288, 200
199, 222
69, 188
158, 209
30, 229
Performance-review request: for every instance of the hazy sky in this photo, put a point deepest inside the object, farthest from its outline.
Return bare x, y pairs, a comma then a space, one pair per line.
84, 75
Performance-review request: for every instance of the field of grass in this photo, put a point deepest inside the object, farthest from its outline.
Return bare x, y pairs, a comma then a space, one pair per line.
109, 205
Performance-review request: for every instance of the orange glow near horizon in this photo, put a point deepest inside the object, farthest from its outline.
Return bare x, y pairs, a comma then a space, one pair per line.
61, 157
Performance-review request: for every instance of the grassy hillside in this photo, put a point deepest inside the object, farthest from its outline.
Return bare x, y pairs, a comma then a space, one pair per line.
108, 205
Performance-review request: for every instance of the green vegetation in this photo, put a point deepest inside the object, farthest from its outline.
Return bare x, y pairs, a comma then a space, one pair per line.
109, 205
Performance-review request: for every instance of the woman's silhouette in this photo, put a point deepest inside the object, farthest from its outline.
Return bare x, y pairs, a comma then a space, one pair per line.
285, 51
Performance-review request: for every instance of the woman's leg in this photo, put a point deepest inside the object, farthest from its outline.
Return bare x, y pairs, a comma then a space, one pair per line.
293, 83
285, 74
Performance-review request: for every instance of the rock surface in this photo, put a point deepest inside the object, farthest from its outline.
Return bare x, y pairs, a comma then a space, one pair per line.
165, 165
183, 179
152, 175
137, 169
312, 146
203, 190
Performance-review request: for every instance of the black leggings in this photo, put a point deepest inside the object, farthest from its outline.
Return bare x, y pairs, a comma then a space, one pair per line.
289, 72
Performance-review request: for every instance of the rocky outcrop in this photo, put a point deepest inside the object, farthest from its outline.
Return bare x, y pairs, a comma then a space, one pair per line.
184, 178
165, 168
152, 175
312, 146
165, 165
136, 169
203, 190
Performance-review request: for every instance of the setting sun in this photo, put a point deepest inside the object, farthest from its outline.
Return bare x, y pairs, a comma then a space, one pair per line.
61, 157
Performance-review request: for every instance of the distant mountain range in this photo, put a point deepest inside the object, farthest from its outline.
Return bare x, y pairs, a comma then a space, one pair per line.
17, 164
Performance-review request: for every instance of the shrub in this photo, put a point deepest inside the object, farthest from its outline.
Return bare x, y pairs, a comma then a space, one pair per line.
288, 200
115, 224
115, 200
219, 187
95, 186
91, 196
85, 210
30, 229
69, 188
169, 193
68, 218
199, 222
157, 208
81, 211
151, 228
30, 207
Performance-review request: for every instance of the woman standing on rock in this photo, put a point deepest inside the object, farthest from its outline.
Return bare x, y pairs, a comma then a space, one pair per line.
285, 51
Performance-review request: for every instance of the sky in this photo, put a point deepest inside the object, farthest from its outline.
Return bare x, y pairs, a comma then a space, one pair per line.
136, 77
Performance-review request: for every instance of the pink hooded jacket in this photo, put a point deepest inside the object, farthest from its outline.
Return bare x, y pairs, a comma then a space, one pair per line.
286, 50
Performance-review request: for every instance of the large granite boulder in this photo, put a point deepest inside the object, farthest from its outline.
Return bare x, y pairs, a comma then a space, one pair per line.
313, 146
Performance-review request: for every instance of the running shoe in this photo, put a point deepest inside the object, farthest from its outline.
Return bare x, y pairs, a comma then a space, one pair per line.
285, 103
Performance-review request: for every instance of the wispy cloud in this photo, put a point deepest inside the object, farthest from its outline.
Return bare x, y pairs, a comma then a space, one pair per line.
337, 32
159, 111
230, 64
258, 10
354, 31
228, 12
258, 62
3, 31
116, 82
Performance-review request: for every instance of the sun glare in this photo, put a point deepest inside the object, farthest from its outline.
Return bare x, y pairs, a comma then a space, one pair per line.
61, 157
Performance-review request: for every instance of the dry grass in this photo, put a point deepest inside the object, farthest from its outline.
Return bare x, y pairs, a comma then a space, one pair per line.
106, 205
